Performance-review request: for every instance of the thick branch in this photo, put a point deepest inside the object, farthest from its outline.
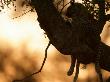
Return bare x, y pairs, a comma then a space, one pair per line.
60, 34
52, 23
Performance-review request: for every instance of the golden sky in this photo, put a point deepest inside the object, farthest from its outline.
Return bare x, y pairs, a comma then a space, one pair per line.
22, 37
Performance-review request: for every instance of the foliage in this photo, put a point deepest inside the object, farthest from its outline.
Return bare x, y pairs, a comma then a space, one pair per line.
91, 5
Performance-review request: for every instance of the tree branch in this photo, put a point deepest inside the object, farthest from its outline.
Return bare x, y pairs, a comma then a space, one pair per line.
60, 34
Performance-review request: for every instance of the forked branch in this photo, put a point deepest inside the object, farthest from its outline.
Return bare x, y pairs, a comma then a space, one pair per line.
27, 77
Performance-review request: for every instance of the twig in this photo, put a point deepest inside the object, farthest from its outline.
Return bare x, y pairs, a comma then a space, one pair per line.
39, 69
71, 1
64, 6
23, 13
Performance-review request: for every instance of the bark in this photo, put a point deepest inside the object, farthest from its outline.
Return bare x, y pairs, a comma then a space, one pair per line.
60, 34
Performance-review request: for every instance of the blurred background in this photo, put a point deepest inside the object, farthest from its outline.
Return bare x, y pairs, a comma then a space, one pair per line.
22, 50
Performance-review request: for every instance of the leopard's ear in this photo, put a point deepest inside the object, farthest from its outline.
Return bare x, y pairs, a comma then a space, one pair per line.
72, 2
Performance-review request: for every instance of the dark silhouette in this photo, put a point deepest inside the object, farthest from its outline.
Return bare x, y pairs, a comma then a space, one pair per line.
83, 44
60, 33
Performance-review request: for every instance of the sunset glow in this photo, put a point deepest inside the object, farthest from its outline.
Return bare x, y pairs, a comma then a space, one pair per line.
22, 49
22, 29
